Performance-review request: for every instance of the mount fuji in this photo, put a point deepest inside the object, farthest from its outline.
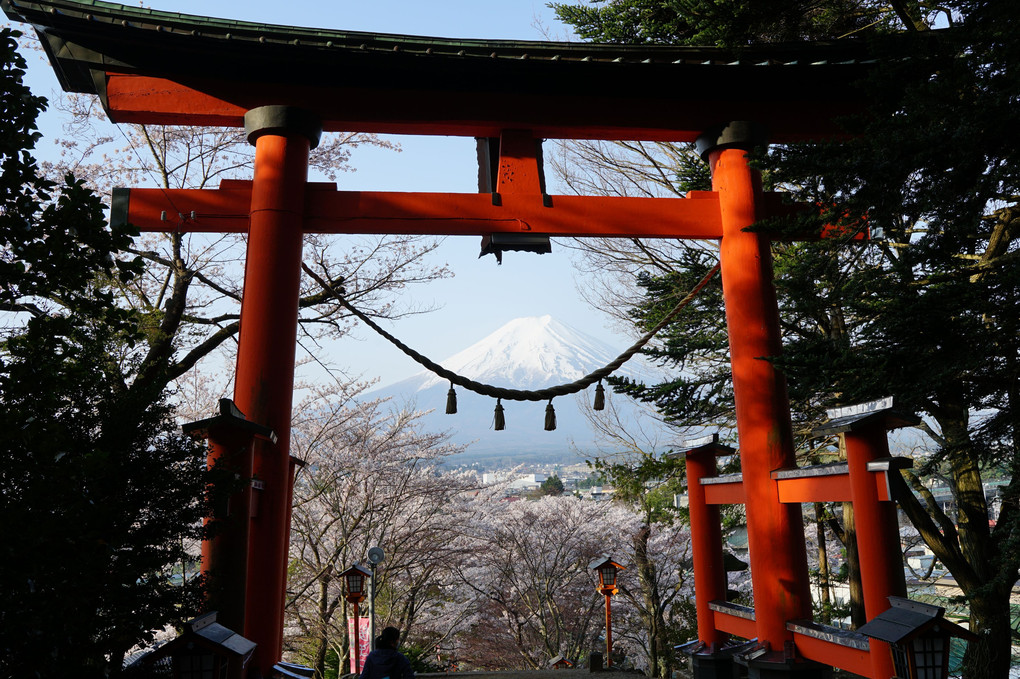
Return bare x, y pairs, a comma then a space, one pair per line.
526, 353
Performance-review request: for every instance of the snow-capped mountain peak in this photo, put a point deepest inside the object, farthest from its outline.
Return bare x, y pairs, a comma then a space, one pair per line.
526, 353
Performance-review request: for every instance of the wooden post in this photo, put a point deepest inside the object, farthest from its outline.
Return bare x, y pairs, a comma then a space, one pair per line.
224, 554
266, 350
774, 530
878, 540
609, 632
863, 430
706, 536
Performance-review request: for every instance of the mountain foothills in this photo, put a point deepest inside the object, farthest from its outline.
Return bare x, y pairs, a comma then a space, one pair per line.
526, 353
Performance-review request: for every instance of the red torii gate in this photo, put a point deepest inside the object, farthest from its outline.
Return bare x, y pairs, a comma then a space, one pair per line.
286, 85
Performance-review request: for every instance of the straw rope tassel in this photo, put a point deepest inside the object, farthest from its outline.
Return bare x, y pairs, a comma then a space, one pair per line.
498, 421
550, 417
600, 397
451, 401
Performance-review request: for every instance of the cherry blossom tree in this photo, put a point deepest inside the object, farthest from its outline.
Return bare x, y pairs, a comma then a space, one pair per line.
527, 572
660, 593
371, 478
190, 293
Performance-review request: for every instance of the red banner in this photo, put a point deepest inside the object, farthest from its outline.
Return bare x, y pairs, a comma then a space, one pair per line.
364, 643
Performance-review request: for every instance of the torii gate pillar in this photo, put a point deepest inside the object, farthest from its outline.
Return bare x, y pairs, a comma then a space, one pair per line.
263, 390
774, 530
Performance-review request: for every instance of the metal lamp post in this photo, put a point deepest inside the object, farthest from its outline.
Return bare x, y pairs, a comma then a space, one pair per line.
607, 568
355, 578
375, 557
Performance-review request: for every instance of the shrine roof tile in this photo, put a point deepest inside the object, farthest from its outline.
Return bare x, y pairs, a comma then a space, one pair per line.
360, 81
62, 12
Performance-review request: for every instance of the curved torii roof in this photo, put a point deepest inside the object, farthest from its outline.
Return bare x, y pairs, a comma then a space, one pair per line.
151, 66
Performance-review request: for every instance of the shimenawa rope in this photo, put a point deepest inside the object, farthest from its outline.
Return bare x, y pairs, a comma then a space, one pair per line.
519, 394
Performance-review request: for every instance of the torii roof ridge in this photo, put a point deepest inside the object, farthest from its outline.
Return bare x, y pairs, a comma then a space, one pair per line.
208, 71
846, 50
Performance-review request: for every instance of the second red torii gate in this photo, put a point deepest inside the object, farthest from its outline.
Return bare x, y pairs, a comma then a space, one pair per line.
287, 84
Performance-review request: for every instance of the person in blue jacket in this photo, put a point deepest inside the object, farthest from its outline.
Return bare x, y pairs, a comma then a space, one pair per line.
386, 662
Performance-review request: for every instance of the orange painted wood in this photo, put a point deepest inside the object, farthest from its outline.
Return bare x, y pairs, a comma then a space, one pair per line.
828, 653
225, 550
832, 488
222, 210
519, 168
329, 211
878, 534
469, 111
264, 382
775, 532
829, 488
725, 493
882, 485
474, 214
706, 544
225, 210
734, 624
151, 100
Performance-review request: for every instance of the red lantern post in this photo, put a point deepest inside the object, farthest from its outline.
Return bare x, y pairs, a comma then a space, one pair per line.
607, 568
355, 577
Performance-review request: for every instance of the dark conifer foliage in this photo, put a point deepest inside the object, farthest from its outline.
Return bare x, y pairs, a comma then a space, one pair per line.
722, 24
100, 494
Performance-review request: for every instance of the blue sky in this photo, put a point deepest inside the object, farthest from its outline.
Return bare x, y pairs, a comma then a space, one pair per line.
481, 297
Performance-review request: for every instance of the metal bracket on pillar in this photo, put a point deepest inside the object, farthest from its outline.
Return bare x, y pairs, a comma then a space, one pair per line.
737, 134
282, 120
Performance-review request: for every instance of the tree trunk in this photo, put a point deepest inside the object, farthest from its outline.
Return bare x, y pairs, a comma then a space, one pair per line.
321, 643
659, 656
989, 607
853, 559
347, 650
984, 571
823, 565
857, 615
989, 618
